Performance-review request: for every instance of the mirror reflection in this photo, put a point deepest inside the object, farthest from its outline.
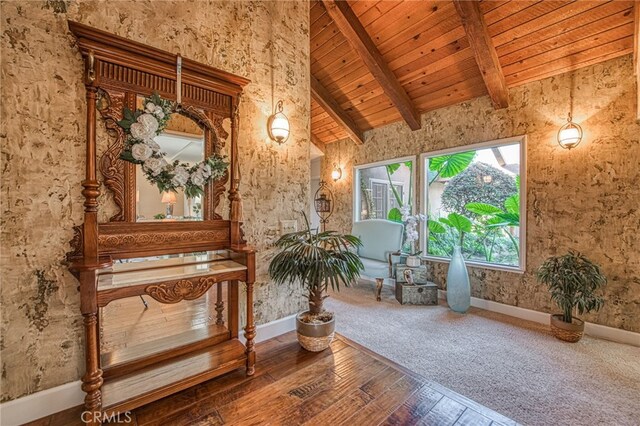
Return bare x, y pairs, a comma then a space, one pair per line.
182, 140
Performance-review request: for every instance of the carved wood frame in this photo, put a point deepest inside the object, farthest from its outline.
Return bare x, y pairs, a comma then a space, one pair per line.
117, 71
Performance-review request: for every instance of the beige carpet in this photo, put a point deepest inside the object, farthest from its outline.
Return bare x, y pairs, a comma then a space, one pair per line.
512, 366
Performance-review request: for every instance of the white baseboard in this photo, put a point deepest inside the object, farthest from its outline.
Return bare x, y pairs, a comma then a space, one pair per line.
594, 330
50, 401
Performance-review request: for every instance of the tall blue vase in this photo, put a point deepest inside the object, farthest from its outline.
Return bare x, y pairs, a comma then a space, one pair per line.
458, 288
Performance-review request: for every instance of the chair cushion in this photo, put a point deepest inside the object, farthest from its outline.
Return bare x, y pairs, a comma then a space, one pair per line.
379, 238
374, 268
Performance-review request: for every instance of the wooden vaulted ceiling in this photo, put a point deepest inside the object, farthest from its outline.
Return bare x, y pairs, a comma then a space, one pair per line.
377, 62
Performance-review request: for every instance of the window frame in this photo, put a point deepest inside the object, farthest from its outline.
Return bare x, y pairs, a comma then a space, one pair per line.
356, 179
424, 202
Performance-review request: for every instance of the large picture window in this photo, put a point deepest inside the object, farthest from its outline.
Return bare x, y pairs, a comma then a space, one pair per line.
474, 196
382, 189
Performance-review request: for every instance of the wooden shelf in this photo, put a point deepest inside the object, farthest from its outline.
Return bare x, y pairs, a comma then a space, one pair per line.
143, 276
135, 357
155, 382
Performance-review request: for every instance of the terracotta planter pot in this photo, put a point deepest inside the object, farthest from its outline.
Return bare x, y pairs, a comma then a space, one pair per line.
315, 337
565, 331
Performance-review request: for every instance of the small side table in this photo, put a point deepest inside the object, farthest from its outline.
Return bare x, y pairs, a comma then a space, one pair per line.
421, 292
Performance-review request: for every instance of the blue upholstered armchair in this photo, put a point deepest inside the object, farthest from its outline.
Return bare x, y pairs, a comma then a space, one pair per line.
381, 242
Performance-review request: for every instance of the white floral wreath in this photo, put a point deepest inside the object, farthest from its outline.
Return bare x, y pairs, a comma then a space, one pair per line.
140, 127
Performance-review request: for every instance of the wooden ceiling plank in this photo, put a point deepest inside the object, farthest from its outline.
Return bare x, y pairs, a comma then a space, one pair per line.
506, 10
573, 14
620, 32
531, 13
322, 96
484, 52
357, 36
369, 16
541, 34
574, 38
570, 63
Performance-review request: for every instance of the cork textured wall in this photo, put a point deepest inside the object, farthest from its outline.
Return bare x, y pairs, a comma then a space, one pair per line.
587, 198
43, 126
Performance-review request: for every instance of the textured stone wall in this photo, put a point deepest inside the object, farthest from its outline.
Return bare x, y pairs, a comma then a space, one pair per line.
43, 127
587, 198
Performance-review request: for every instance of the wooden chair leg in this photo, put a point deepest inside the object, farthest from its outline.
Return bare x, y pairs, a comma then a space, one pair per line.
379, 282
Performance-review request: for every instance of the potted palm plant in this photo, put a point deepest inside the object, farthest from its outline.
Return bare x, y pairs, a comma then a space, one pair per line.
573, 281
316, 260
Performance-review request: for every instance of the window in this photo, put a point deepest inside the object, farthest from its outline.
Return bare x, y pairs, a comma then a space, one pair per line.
473, 196
382, 188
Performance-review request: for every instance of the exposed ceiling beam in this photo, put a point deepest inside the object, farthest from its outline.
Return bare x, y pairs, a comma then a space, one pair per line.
484, 51
323, 97
351, 28
318, 143
636, 54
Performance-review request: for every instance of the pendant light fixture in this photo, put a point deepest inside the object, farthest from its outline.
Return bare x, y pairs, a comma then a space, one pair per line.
569, 135
278, 125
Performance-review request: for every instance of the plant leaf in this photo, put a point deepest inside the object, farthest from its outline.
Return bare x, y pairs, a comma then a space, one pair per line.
512, 204
461, 223
483, 209
448, 166
395, 215
436, 227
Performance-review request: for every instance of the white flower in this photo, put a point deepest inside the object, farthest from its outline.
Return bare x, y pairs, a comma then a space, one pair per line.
153, 145
197, 178
141, 151
138, 131
149, 122
180, 176
150, 107
206, 170
159, 114
154, 165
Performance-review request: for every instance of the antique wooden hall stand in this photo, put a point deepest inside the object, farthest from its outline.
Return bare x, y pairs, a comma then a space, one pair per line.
175, 260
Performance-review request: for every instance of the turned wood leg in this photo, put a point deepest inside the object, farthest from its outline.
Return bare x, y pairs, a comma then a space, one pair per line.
219, 305
92, 379
379, 282
250, 332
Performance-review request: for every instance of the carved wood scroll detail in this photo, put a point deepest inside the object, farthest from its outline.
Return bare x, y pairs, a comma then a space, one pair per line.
111, 166
181, 290
121, 241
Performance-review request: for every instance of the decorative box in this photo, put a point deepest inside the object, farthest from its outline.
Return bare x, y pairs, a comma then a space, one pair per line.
419, 294
420, 273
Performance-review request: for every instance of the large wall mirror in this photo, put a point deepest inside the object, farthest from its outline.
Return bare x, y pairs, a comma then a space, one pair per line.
183, 141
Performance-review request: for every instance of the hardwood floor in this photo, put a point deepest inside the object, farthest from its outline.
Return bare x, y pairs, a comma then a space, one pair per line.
346, 384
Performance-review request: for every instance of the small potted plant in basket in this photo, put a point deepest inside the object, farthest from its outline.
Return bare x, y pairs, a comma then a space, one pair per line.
573, 281
316, 260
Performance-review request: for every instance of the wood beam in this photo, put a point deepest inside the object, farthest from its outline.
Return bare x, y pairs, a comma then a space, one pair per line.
484, 51
351, 28
318, 143
326, 101
636, 54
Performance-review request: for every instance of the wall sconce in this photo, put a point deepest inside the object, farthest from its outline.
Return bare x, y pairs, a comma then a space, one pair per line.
569, 135
323, 203
336, 173
278, 125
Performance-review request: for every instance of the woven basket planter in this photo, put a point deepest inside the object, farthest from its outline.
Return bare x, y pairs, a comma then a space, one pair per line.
315, 337
565, 331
